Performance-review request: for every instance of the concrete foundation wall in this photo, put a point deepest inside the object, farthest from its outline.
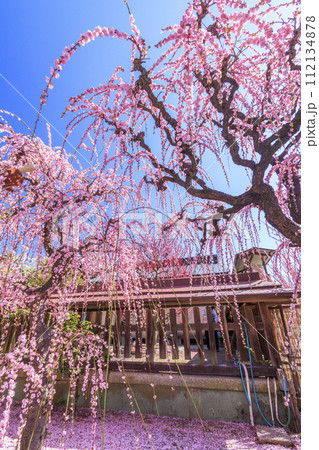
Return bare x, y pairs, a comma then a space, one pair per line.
211, 398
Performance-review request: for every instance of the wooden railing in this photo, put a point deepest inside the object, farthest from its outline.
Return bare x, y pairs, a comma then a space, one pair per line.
190, 336
177, 327
176, 330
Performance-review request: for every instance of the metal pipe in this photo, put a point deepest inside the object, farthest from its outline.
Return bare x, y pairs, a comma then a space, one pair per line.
249, 396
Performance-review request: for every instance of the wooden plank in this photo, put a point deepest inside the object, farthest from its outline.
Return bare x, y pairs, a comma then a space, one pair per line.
162, 334
269, 334
199, 335
99, 317
204, 288
237, 280
138, 336
191, 369
107, 326
187, 346
183, 292
184, 300
20, 328
150, 335
127, 334
90, 316
94, 315
294, 375
239, 338
204, 326
116, 334
228, 351
211, 335
295, 424
9, 339
252, 333
98, 322
174, 336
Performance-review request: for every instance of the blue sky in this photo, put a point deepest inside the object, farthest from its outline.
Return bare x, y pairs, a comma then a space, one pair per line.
34, 34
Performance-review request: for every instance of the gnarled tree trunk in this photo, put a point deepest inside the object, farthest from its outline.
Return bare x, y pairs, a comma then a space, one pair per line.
35, 430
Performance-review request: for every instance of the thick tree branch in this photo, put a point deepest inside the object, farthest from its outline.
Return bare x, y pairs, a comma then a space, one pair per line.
292, 49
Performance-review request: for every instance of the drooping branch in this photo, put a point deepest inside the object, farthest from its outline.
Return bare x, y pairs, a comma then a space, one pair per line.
292, 49
259, 193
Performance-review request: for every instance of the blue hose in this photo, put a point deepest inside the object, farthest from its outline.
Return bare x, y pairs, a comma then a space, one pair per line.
242, 379
284, 385
252, 377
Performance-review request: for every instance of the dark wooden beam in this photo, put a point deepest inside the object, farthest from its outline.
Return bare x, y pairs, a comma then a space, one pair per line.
190, 369
211, 335
173, 333
186, 327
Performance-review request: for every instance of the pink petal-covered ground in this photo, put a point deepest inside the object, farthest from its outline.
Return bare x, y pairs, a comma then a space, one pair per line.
165, 433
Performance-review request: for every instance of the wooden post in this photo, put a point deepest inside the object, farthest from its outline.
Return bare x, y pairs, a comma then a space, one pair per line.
269, 334
294, 376
199, 335
228, 352
107, 326
295, 424
252, 332
98, 321
89, 316
187, 346
240, 343
127, 335
211, 335
116, 334
138, 336
94, 315
99, 317
162, 334
150, 336
174, 336
9, 339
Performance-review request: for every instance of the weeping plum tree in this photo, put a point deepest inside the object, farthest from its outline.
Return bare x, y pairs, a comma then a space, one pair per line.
60, 228
226, 81
222, 90
220, 93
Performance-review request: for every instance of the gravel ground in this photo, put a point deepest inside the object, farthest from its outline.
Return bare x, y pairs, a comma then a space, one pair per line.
123, 431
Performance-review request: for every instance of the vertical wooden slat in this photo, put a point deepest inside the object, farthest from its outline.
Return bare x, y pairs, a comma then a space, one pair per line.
187, 346
199, 335
228, 352
94, 316
116, 334
47, 318
98, 321
294, 375
18, 331
211, 335
107, 326
295, 423
9, 338
252, 332
174, 336
162, 334
150, 335
89, 316
127, 335
138, 335
240, 343
269, 334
